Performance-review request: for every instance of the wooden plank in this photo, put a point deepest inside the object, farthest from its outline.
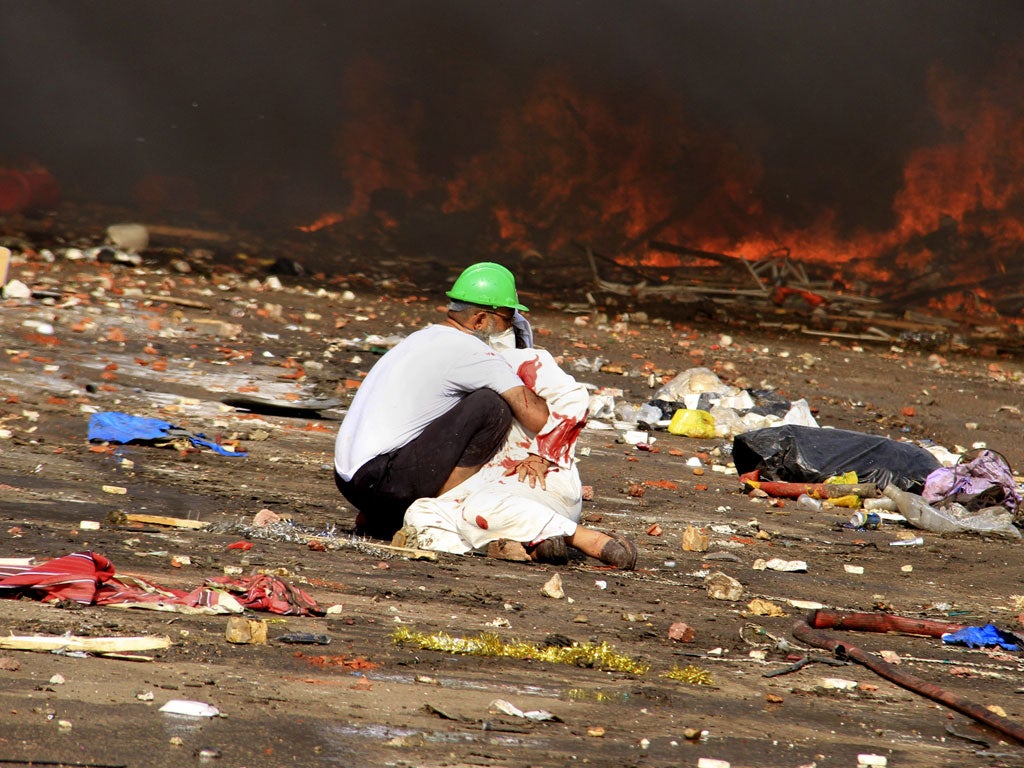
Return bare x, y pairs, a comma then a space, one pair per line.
173, 300
174, 522
86, 644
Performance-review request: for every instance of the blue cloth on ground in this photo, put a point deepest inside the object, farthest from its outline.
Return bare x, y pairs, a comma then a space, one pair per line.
115, 427
981, 637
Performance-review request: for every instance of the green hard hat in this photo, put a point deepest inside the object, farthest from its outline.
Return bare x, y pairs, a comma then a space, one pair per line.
487, 284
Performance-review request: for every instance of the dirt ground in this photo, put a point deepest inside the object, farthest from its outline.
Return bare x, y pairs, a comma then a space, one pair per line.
113, 345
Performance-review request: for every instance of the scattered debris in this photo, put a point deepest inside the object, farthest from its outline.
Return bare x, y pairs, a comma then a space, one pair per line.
601, 655
721, 586
537, 715
553, 587
246, 631
188, 708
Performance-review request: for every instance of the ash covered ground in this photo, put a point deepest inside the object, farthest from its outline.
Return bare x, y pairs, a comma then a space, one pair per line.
114, 336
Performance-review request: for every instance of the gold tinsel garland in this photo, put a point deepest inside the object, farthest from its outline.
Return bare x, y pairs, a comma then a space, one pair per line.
602, 656
689, 674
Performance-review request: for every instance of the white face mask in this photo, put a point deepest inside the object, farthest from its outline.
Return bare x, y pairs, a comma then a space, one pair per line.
504, 340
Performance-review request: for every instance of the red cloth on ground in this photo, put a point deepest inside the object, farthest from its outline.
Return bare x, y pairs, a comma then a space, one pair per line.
88, 578
72, 577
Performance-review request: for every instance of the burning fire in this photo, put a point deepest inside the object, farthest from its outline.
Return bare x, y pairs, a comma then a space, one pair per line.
615, 172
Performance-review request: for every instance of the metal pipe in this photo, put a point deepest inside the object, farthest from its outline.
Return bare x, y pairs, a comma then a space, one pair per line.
809, 631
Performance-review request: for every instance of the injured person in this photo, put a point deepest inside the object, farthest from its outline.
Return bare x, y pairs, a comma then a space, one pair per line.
538, 507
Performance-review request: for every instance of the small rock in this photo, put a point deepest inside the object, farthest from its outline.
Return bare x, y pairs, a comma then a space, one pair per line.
57, 679
854, 569
553, 588
15, 289
265, 517
681, 632
634, 617
243, 631
787, 566
695, 540
721, 586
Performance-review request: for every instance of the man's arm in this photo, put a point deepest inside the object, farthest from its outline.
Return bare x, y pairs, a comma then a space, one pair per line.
530, 410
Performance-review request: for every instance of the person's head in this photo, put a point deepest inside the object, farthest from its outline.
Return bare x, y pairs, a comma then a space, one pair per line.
491, 326
483, 301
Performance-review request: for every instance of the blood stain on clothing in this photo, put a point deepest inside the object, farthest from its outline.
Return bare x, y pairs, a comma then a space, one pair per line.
482, 522
528, 372
556, 444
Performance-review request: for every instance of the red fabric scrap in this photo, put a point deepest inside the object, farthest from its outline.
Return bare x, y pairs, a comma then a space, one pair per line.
88, 578
72, 577
269, 593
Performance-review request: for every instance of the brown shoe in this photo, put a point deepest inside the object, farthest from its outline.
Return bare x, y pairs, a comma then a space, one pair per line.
620, 552
552, 551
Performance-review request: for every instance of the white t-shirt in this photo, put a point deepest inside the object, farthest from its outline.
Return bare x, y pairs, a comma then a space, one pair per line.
417, 381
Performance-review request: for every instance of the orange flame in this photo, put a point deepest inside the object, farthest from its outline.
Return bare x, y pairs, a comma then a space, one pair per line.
566, 164
327, 220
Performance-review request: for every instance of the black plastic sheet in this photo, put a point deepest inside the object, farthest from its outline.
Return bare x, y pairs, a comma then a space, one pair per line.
799, 454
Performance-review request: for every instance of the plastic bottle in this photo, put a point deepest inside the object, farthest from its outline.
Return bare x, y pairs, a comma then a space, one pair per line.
649, 414
920, 513
626, 412
808, 502
875, 505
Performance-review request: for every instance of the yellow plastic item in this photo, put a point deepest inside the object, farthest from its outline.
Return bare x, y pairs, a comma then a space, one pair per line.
847, 478
852, 501
690, 422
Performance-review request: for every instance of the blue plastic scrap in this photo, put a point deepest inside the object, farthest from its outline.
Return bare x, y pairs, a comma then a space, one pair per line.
982, 637
115, 427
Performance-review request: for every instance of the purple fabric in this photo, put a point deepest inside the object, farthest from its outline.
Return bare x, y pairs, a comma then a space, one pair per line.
986, 471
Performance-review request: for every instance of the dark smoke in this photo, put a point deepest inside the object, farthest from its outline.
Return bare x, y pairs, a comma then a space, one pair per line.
246, 100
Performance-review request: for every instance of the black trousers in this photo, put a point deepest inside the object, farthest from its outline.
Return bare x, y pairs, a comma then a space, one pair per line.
466, 436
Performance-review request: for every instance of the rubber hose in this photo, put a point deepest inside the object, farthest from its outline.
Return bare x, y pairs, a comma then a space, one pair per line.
808, 632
